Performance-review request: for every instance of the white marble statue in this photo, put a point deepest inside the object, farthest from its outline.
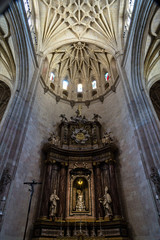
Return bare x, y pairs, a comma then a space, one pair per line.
107, 138
80, 203
106, 201
53, 139
53, 207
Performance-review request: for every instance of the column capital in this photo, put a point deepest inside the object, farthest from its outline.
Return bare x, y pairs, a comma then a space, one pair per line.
110, 161
51, 161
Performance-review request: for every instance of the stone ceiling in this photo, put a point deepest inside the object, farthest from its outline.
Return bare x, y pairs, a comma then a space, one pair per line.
80, 62
79, 36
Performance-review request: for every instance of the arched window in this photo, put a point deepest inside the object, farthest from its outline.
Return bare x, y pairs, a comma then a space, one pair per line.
5, 95
65, 84
94, 84
79, 87
52, 77
106, 76
155, 97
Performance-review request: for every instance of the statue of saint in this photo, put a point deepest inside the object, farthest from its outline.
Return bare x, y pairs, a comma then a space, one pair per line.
106, 201
80, 203
53, 206
54, 139
64, 119
95, 117
107, 138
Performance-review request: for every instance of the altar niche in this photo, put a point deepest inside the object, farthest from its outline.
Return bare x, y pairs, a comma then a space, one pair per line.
80, 194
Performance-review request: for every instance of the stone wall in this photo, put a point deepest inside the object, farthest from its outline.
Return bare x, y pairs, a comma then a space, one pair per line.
137, 202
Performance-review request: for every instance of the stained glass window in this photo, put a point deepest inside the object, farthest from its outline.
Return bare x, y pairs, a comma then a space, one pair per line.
94, 84
106, 76
79, 87
52, 76
65, 84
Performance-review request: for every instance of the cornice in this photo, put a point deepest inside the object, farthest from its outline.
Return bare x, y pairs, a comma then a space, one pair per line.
55, 154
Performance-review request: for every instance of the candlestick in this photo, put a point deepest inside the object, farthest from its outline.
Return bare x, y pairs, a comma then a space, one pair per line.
68, 232
75, 229
61, 234
93, 231
100, 233
80, 227
86, 226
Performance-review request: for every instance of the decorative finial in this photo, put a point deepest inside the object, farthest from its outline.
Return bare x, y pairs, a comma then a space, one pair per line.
64, 119
95, 117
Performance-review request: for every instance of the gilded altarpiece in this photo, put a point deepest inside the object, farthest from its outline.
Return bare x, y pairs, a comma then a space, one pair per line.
80, 197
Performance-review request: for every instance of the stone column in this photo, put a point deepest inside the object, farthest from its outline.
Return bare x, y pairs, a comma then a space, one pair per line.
62, 191
113, 189
50, 183
105, 176
54, 181
98, 191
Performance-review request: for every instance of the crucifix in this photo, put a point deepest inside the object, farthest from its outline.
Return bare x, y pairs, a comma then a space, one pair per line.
31, 189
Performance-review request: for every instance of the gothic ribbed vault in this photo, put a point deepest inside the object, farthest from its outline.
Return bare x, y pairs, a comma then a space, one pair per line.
79, 40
